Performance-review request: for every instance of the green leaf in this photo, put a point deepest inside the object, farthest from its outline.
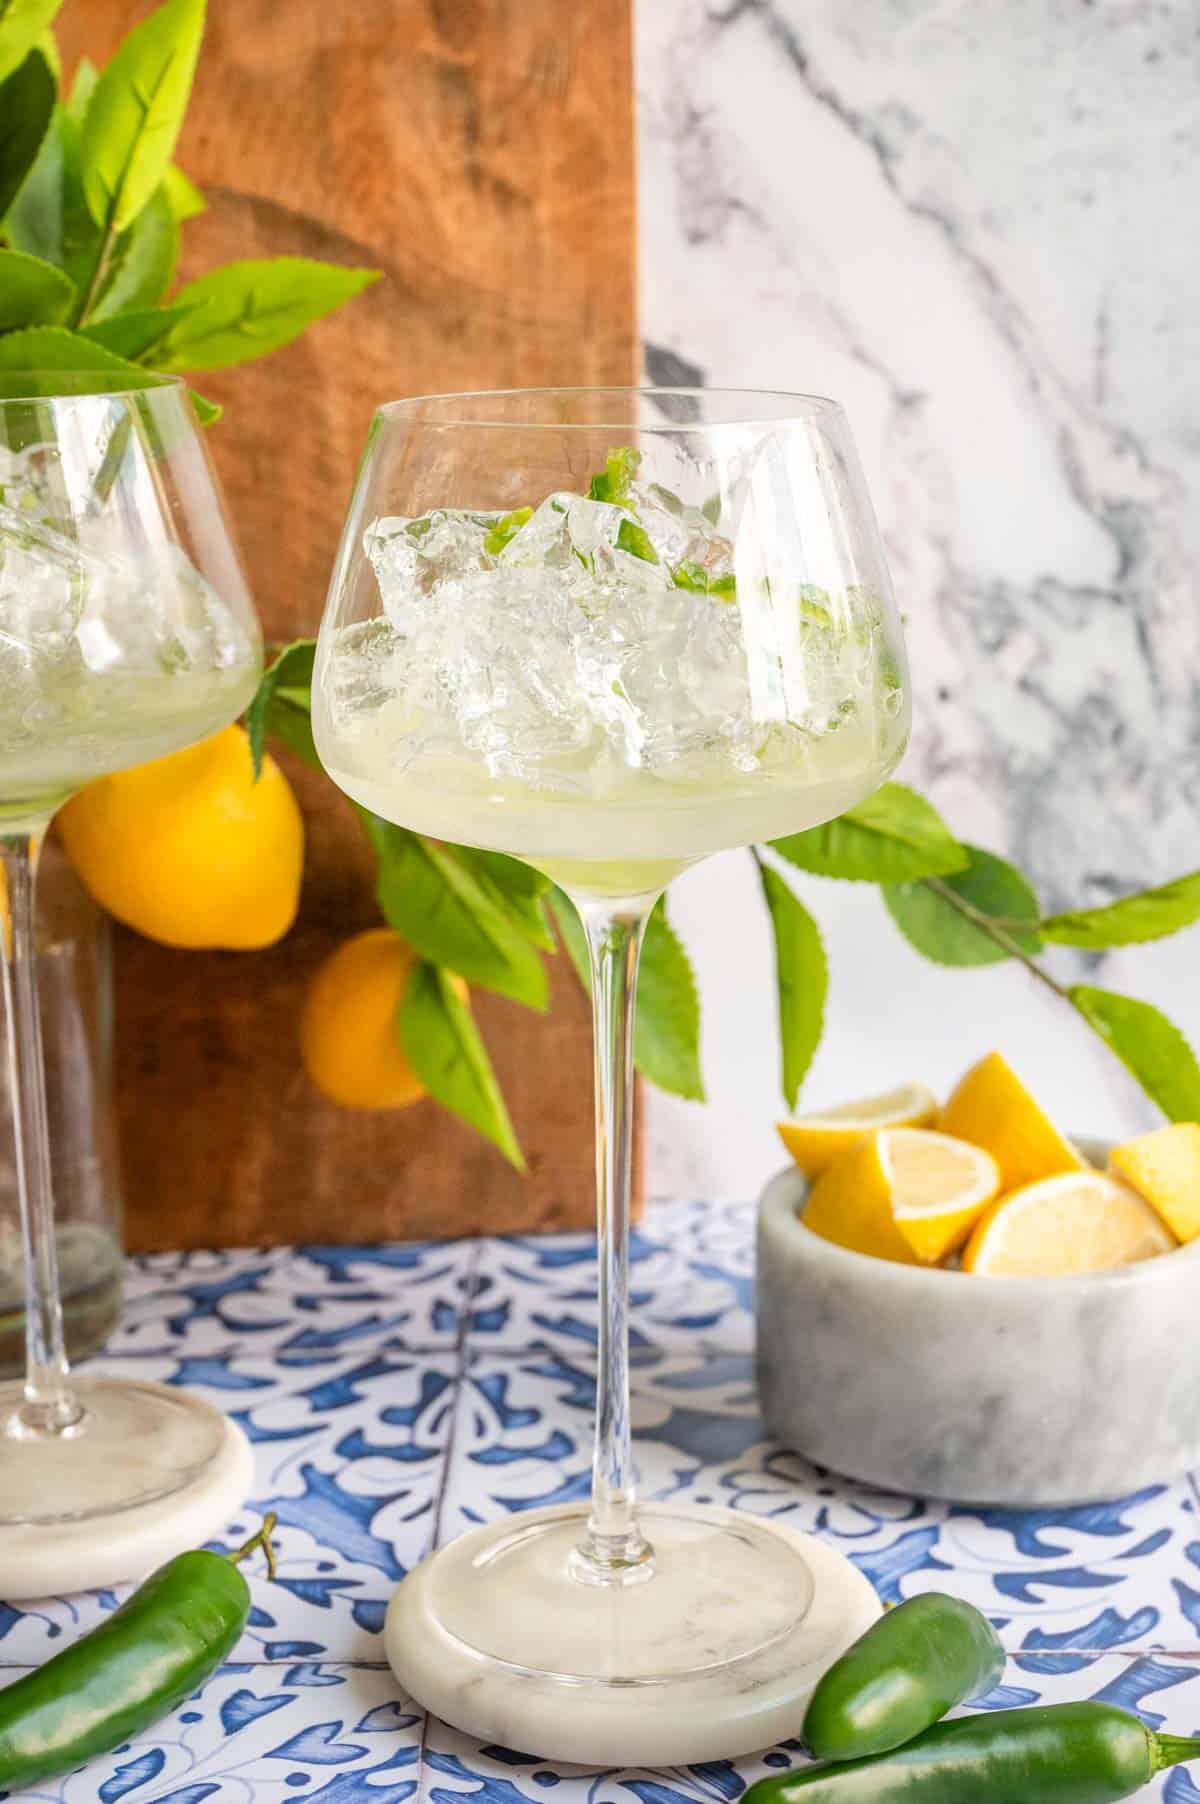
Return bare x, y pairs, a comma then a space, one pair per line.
666, 1035
54, 348
136, 110
32, 292
570, 932
27, 98
666, 1030
247, 309
636, 541
894, 836
22, 23
444, 1048
506, 529
82, 89
183, 197
291, 669
1150, 915
49, 218
141, 264
1148, 1045
133, 335
516, 889
207, 412
802, 976
927, 916
700, 581
436, 903
614, 481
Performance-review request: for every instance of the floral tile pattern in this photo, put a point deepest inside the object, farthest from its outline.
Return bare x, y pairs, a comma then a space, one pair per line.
395, 1395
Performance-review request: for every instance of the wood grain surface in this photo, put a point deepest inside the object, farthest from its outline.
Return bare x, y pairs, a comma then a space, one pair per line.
480, 154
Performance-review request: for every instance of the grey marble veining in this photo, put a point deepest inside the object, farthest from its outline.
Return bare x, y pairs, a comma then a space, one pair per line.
972, 225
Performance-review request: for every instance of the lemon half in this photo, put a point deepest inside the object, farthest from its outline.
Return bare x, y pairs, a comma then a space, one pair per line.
815, 1141
903, 1194
1076, 1222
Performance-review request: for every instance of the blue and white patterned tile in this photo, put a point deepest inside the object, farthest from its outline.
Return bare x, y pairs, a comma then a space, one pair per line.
297, 1300
1166, 1693
293, 1734
349, 1453
691, 1285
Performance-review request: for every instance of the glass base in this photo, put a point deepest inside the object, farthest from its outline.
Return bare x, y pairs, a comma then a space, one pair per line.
711, 1655
134, 1444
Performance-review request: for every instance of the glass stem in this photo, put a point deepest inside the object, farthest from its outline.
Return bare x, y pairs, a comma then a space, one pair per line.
614, 1550
49, 1407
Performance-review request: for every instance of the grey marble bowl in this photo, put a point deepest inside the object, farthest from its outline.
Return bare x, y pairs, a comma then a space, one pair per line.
1008, 1391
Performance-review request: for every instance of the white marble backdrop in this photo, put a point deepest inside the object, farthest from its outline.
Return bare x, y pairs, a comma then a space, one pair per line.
975, 226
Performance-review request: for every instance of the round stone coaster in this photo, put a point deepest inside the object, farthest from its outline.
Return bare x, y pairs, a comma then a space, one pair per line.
715, 1656
56, 1558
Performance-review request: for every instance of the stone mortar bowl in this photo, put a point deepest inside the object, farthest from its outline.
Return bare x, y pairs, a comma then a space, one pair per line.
1004, 1391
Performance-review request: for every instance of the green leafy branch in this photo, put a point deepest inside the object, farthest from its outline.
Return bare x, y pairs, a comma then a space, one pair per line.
91, 211
961, 906
487, 918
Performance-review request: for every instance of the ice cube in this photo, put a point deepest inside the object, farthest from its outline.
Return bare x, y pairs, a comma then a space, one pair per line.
588, 541
411, 557
43, 580
683, 536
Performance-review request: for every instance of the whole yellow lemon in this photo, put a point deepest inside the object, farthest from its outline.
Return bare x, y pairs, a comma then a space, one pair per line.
348, 1034
189, 849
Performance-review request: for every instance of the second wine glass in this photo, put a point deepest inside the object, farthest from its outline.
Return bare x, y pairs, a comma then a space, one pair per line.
610, 632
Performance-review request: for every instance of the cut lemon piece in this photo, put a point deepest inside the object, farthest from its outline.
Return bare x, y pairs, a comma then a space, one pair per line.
1164, 1168
903, 1194
992, 1108
1080, 1221
815, 1141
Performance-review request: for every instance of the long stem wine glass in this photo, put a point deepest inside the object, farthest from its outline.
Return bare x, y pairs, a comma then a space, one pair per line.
610, 632
126, 631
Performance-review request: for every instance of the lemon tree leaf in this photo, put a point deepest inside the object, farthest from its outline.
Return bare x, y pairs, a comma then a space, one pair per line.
444, 1048
666, 1028
436, 903
1150, 915
32, 292
289, 671
941, 918
49, 217
894, 836
54, 348
133, 335
22, 24
516, 889
27, 96
135, 112
82, 88
802, 975
142, 262
1148, 1045
247, 309
184, 198
666, 1033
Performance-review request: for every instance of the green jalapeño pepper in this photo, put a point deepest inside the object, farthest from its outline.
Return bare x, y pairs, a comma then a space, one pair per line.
903, 1675
149, 1655
1086, 1753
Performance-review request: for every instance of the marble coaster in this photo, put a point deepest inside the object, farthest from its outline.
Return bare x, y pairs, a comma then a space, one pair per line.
54, 1559
714, 1713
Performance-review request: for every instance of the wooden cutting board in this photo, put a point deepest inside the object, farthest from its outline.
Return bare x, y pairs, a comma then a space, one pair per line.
480, 154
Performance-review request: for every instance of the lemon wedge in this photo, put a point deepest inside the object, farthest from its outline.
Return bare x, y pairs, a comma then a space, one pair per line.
992, 1108
903, 1194
1079, 1221
1164, 1169
815, 1141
